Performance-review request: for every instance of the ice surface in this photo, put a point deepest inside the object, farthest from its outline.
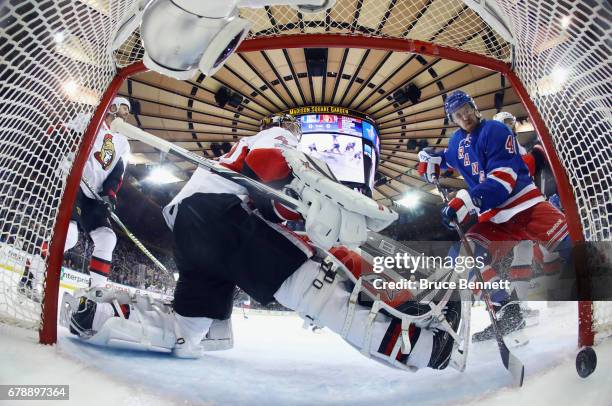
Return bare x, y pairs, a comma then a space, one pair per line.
277, 362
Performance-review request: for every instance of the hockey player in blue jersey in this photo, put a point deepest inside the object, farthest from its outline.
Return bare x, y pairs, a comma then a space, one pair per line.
501, 192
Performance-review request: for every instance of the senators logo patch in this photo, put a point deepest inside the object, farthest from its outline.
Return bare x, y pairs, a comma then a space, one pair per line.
106, 155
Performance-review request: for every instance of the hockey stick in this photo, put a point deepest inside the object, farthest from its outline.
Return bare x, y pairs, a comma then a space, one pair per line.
510, 361
165, 146
127, 232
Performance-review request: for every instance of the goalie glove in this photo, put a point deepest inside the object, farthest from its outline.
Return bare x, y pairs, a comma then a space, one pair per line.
429, 166
336, 213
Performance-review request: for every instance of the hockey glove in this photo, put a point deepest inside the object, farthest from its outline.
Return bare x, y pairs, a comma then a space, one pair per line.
110, 201
429, 166
458, 209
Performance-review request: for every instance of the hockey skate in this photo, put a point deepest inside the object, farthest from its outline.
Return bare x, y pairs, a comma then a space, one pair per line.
26, 290
26, 287
117, 319
443, 341
509, 320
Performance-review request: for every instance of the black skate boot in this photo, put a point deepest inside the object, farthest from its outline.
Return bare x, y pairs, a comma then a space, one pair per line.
509, 320
81, 321
25, 287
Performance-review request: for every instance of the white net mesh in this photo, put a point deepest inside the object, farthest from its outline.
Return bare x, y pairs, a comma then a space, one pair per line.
55, 66
57, 62
563, 59
602, 320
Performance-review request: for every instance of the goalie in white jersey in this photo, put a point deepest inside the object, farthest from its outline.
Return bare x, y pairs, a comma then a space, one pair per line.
227, 236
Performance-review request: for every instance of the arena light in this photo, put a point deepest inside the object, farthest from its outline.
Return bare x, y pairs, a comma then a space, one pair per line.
59, 37
80, 94
565, 21
410, 200
161, 176
554, 82
559, 75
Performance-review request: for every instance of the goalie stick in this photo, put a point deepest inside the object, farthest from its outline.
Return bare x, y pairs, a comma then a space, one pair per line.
127, 232
137, 134
510, 361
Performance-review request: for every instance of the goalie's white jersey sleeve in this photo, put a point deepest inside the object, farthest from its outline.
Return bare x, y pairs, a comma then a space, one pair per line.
203, 181
109, 149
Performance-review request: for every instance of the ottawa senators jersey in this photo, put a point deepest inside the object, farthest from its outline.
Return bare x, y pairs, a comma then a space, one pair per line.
106, 163
265, 165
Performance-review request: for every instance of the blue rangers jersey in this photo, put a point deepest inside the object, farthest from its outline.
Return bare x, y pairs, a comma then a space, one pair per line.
490, 162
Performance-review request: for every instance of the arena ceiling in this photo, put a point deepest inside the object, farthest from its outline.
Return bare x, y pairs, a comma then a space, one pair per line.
365, 80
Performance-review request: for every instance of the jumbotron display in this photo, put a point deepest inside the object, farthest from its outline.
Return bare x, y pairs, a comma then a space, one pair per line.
347, 143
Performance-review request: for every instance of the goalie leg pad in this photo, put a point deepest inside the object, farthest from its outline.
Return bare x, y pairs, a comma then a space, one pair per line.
115, 319
328, 298
154, 331
318, 298
133, 335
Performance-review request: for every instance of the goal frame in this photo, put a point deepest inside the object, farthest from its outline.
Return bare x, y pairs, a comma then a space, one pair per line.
48, 331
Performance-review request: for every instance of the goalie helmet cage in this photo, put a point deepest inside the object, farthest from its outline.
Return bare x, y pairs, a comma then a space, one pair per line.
59, 73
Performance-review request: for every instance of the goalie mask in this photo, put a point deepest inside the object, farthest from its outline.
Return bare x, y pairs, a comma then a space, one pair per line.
286, 121
181, 36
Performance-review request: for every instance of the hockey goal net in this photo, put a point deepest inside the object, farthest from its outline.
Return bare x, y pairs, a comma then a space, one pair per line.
58, 64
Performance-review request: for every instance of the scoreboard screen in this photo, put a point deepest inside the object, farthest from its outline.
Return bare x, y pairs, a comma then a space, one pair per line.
344, 143
343, 154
